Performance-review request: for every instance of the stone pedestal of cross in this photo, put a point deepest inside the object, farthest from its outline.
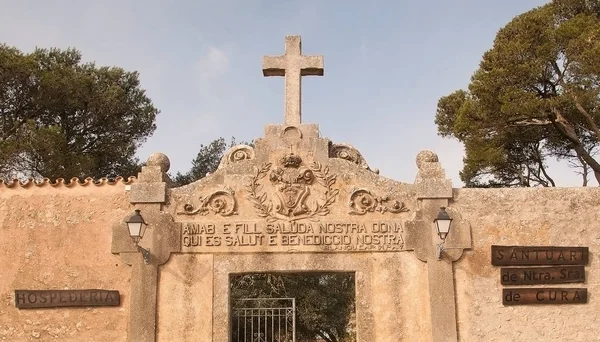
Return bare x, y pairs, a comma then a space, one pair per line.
293, 65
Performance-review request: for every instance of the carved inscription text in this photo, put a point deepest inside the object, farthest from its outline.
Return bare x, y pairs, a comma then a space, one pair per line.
252, 236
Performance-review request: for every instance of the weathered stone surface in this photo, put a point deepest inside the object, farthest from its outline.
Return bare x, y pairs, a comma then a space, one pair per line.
525, 217
148, 193
142, 318
431, 179
293, 65
151, 186
185, 305
162, 235
60, 238
292, 199
161, 160
349, 153
237, 154
390, 302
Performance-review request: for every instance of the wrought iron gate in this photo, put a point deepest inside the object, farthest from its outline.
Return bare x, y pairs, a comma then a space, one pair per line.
264, 320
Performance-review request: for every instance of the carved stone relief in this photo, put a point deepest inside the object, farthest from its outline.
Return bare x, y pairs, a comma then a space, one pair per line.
287, 195
237, 153
221, 202
349, 153
363, 201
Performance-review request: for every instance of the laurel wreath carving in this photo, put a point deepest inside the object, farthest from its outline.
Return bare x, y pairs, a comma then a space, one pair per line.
326, 180
258, 200
264, 208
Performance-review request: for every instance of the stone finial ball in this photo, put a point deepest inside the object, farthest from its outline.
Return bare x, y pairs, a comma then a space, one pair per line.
159, 159
426, 156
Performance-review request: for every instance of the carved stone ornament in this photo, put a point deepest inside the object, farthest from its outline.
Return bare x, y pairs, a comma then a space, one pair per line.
363, 201
237, 153
349, 153
289, 195
221, 202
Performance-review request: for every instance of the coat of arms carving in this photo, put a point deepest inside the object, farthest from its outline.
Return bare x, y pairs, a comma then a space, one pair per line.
296, 191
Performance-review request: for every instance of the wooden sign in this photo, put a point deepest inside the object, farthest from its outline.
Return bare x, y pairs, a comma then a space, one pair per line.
28, 299
538, 255
542, 275
528, 296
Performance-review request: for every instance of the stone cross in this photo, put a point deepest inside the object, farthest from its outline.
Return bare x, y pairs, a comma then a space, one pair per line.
293, 65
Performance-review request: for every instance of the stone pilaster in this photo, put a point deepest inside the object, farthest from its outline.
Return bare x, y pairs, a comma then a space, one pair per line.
161, 239
433, 191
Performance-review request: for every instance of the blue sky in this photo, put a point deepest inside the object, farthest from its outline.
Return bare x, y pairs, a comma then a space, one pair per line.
386, 65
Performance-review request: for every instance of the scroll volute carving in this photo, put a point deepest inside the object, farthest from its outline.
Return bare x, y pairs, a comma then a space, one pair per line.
221, 202
364, 201
349, 153
236, 154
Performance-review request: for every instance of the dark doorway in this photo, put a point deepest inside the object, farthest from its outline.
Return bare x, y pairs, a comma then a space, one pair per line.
293, 307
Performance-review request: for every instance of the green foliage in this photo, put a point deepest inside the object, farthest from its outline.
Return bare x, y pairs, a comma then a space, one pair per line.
207, 161
60, 117
535, 95
325, 302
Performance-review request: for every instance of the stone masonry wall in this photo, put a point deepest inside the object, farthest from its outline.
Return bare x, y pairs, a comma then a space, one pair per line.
525, 217
60, 238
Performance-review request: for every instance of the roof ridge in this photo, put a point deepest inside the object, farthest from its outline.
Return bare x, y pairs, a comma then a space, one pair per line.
61, 182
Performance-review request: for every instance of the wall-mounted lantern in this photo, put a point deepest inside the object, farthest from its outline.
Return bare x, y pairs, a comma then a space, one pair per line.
137, 228
443, 222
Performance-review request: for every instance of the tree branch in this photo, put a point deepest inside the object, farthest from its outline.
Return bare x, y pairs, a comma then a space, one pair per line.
324, 336
543, 169
566, 129
584, 172
561, 74
586, 115
530, 122
578, 105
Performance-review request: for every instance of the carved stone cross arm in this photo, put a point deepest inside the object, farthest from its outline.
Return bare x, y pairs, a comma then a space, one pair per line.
293, 65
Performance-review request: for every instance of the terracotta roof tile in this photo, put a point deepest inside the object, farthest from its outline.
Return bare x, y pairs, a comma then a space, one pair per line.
61, 182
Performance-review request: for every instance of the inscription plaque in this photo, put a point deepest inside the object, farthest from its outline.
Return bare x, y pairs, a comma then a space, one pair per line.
270, 237
28, 299
527, 296
542, 275
539, 255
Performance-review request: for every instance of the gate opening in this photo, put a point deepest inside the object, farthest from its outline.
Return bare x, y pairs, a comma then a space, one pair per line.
292, 307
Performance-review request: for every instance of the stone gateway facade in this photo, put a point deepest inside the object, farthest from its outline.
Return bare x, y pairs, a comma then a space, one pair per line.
296, 201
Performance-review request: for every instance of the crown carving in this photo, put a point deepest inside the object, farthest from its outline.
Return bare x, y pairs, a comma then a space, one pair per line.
291, 160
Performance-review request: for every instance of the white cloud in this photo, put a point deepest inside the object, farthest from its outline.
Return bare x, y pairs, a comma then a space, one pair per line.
363, 48
212, 64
